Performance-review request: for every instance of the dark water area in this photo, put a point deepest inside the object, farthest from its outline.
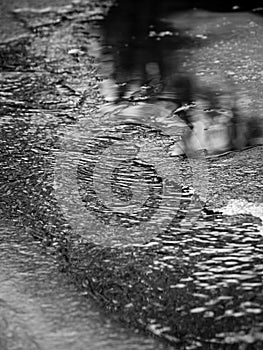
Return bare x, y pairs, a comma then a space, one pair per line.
74, 282
144, 51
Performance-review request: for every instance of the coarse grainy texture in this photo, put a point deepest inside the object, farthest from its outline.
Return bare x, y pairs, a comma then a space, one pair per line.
198, 286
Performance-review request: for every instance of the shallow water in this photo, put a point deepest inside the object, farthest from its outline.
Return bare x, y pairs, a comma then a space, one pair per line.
199, 282
41, 310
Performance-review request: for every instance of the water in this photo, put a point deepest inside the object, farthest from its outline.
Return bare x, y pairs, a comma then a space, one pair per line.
41, 310
197, 277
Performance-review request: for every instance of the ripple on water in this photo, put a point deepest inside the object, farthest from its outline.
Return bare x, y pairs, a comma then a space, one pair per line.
202, 282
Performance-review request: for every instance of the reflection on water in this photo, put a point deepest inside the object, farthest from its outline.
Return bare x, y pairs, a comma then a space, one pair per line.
139, 49
197, 284
146, 46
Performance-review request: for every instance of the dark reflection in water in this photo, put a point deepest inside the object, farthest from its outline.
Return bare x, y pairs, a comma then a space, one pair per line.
139, 48
143, 57
199, 285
